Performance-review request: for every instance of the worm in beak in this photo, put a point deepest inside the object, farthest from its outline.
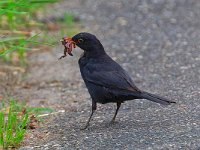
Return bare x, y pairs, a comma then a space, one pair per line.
68, 44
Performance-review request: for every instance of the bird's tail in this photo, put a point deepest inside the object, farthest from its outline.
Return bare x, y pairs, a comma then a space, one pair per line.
155, 98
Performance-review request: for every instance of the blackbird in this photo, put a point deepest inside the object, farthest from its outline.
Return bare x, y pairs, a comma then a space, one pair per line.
105, 79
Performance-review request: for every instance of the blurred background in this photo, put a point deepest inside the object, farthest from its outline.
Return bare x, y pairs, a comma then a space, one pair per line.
156, 41
25, 30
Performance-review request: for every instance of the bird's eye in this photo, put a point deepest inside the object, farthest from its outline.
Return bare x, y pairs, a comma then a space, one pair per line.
80, 40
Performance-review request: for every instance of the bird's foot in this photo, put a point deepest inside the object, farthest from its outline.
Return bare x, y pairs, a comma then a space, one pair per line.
85, 127
112, 122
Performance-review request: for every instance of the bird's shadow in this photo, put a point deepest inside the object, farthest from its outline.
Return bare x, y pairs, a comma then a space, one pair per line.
118, 125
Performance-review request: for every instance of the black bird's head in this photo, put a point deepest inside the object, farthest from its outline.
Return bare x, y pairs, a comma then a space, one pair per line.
87, 42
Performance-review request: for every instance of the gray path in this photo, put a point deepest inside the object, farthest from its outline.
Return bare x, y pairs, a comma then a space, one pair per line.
157, 42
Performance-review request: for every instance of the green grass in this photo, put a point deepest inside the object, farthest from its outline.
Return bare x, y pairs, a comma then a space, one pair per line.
67, 27
68, 18
14, 118
19, 28
12, 127
16, 25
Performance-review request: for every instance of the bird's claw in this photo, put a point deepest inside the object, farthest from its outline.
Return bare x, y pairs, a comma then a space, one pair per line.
85, 127
112, 122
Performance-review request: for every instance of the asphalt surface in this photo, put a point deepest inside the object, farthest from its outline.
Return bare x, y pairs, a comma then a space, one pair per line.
157, 42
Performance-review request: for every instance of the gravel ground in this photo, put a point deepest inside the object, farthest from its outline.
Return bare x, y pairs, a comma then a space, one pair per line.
157, 42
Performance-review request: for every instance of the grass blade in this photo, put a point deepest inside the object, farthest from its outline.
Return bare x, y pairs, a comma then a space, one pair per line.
1, 128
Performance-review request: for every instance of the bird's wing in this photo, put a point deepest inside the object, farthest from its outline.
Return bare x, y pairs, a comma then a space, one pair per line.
111, 79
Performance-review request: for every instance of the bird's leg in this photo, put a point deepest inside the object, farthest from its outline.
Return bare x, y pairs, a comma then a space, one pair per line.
118, 106
94, 107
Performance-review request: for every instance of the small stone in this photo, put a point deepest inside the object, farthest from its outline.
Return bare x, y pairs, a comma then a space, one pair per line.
122, 21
